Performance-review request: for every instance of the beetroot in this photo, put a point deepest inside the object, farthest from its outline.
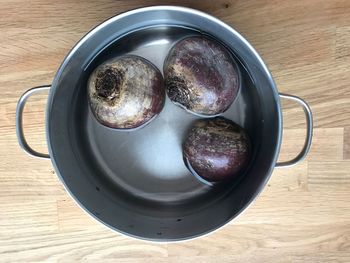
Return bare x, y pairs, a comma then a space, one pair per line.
201, 76
216, 149
126, 92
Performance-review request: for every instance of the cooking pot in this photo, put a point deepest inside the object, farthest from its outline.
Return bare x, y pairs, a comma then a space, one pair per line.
135, 182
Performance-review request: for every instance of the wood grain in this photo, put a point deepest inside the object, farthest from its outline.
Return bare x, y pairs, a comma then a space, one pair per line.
346, 151
303, 215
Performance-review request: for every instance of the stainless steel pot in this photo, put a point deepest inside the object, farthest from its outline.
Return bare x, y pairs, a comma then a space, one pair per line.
136, 182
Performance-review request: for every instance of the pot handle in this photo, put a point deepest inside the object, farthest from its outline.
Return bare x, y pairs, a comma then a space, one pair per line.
309, 129
19, 123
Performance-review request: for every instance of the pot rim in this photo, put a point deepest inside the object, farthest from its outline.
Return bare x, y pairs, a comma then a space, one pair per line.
192, 12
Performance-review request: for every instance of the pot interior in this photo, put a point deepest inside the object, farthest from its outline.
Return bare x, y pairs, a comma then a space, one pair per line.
147, 163
136, 181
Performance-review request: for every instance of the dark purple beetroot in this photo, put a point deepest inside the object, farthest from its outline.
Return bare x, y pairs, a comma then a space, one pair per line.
126, 92
216, 149
201, 76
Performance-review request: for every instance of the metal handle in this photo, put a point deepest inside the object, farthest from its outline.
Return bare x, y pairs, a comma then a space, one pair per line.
309, 128
19, 123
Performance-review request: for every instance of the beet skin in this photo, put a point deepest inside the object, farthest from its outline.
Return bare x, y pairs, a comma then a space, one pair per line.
201, 76
126, 92
216, 149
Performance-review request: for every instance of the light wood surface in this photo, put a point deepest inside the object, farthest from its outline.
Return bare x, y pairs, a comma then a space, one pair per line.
303, 215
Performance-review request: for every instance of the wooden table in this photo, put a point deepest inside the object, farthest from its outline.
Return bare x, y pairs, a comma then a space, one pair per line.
302, 216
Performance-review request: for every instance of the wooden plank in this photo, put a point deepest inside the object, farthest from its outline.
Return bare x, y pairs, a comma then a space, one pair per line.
72, 218
337, 257
77, 246
27, 218
291, 179
329, 176
346, 143
255, 256
327, 144
297, 207
246, 239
